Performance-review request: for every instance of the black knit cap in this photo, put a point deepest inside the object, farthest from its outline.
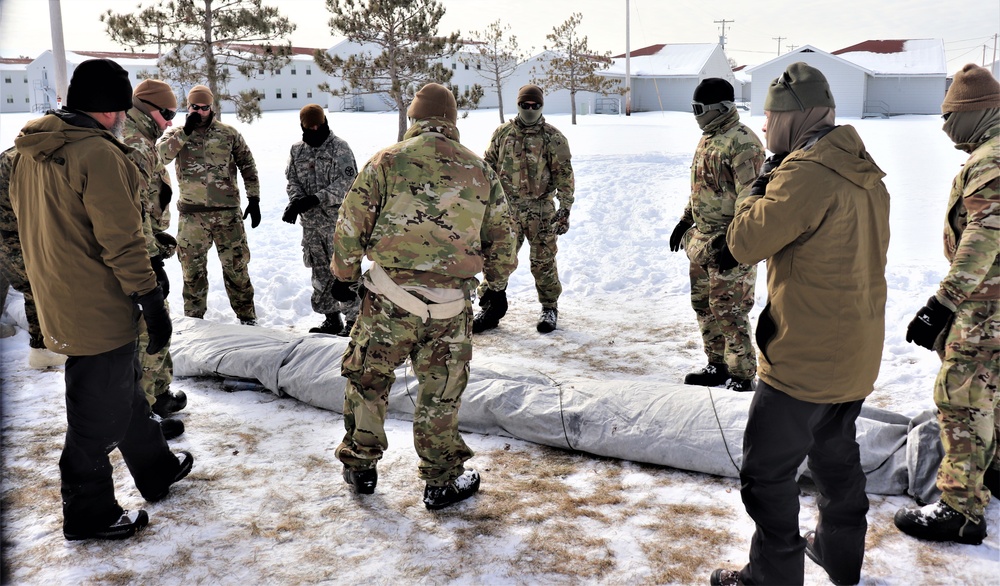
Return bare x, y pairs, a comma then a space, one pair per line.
99, 85
713, 90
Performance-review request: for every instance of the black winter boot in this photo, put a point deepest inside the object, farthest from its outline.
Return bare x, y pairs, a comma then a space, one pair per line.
991, 480
333, 324
169, 402
363, 480
459, 489
494, 307
713, 375
547, 320
939, 522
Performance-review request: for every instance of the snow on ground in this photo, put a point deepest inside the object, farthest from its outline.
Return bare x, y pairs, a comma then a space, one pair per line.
266, 504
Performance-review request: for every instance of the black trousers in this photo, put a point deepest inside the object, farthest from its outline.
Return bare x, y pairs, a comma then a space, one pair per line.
106, 409
781, 432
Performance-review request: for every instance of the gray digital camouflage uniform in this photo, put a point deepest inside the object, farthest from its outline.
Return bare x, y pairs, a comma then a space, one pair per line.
140, 133
433, 215
965, 391
726, 161
11, 259
534, 166
207, 161
326, 172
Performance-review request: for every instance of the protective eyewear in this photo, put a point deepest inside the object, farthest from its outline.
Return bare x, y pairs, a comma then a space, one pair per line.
167, 114
698, 108
530, 106
196, 107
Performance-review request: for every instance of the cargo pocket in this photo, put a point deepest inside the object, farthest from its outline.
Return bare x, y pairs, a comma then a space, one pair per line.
457, 365
766, 330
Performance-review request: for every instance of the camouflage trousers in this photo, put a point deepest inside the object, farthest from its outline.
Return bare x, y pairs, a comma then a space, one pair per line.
196, 233
965, 393
157, 369
533, 222
721, 301
12, 269
439, 350
317, 254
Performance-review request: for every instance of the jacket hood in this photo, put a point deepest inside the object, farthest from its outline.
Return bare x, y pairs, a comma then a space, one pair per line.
842, 151
43, 137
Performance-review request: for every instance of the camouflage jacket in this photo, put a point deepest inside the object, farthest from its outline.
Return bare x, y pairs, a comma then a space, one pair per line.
10, 244
326, 172
727, 160
429, 211
533, 162
972, 227
206, 166
141, 133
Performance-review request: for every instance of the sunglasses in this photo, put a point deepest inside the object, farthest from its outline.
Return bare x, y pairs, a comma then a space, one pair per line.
528, 106
196, 107
167, 114
698, 108
945, 115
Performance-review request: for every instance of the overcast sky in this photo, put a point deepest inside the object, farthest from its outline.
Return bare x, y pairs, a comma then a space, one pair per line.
753, 30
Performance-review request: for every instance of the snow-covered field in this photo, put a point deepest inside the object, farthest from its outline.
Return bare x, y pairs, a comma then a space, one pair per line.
265, 503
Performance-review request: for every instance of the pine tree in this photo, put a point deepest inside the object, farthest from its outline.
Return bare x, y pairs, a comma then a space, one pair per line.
574, 66
203, 39
405, 33
499, 56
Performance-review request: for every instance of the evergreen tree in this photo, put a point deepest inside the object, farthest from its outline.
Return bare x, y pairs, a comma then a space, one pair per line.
204, 39
574, 66
499, 56
410, 50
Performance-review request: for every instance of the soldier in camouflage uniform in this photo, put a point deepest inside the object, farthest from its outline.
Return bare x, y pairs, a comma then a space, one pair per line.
962, 322
532, 159
320, 170
431, 215
727, 160
153, 108
13, 271
208, 155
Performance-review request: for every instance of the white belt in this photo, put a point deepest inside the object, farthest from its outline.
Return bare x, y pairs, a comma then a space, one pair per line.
452, 301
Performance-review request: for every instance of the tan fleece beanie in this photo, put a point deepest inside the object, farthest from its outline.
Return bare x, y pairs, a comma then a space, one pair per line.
155, 92
433, 101
200, 94
311, 115
974, 88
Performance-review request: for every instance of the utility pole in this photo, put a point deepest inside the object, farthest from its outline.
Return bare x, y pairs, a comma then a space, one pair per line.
628, 58
779, 39
792, 48
722, 37
58, 50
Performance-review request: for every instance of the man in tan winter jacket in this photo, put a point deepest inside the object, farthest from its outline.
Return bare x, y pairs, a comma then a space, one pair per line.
76, 197
819, 215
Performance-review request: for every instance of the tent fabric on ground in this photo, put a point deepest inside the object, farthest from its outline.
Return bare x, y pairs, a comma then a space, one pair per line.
686, 427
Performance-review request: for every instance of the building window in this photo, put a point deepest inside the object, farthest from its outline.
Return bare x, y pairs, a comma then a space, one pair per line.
25, 79
295, 93
466, 65
261, 71
10, 99
309, 93
309, 70
480, 65
277, 94
293, 70
6, 79
225, 69
454, 65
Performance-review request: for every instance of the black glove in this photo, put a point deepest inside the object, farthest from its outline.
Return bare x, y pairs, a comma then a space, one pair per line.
677, 236
928, 324
495, 302
560, 222
344, 291
191, 122
724, 257
157, 318
297, 206
166, 243
253, 210
759, 186
161, 275
166, 194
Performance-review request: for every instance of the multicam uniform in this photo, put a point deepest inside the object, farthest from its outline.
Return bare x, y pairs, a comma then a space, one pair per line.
533, 163
140, 133
432, 214
11, 260
326, 172
209, 207
726, 162
966, 387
